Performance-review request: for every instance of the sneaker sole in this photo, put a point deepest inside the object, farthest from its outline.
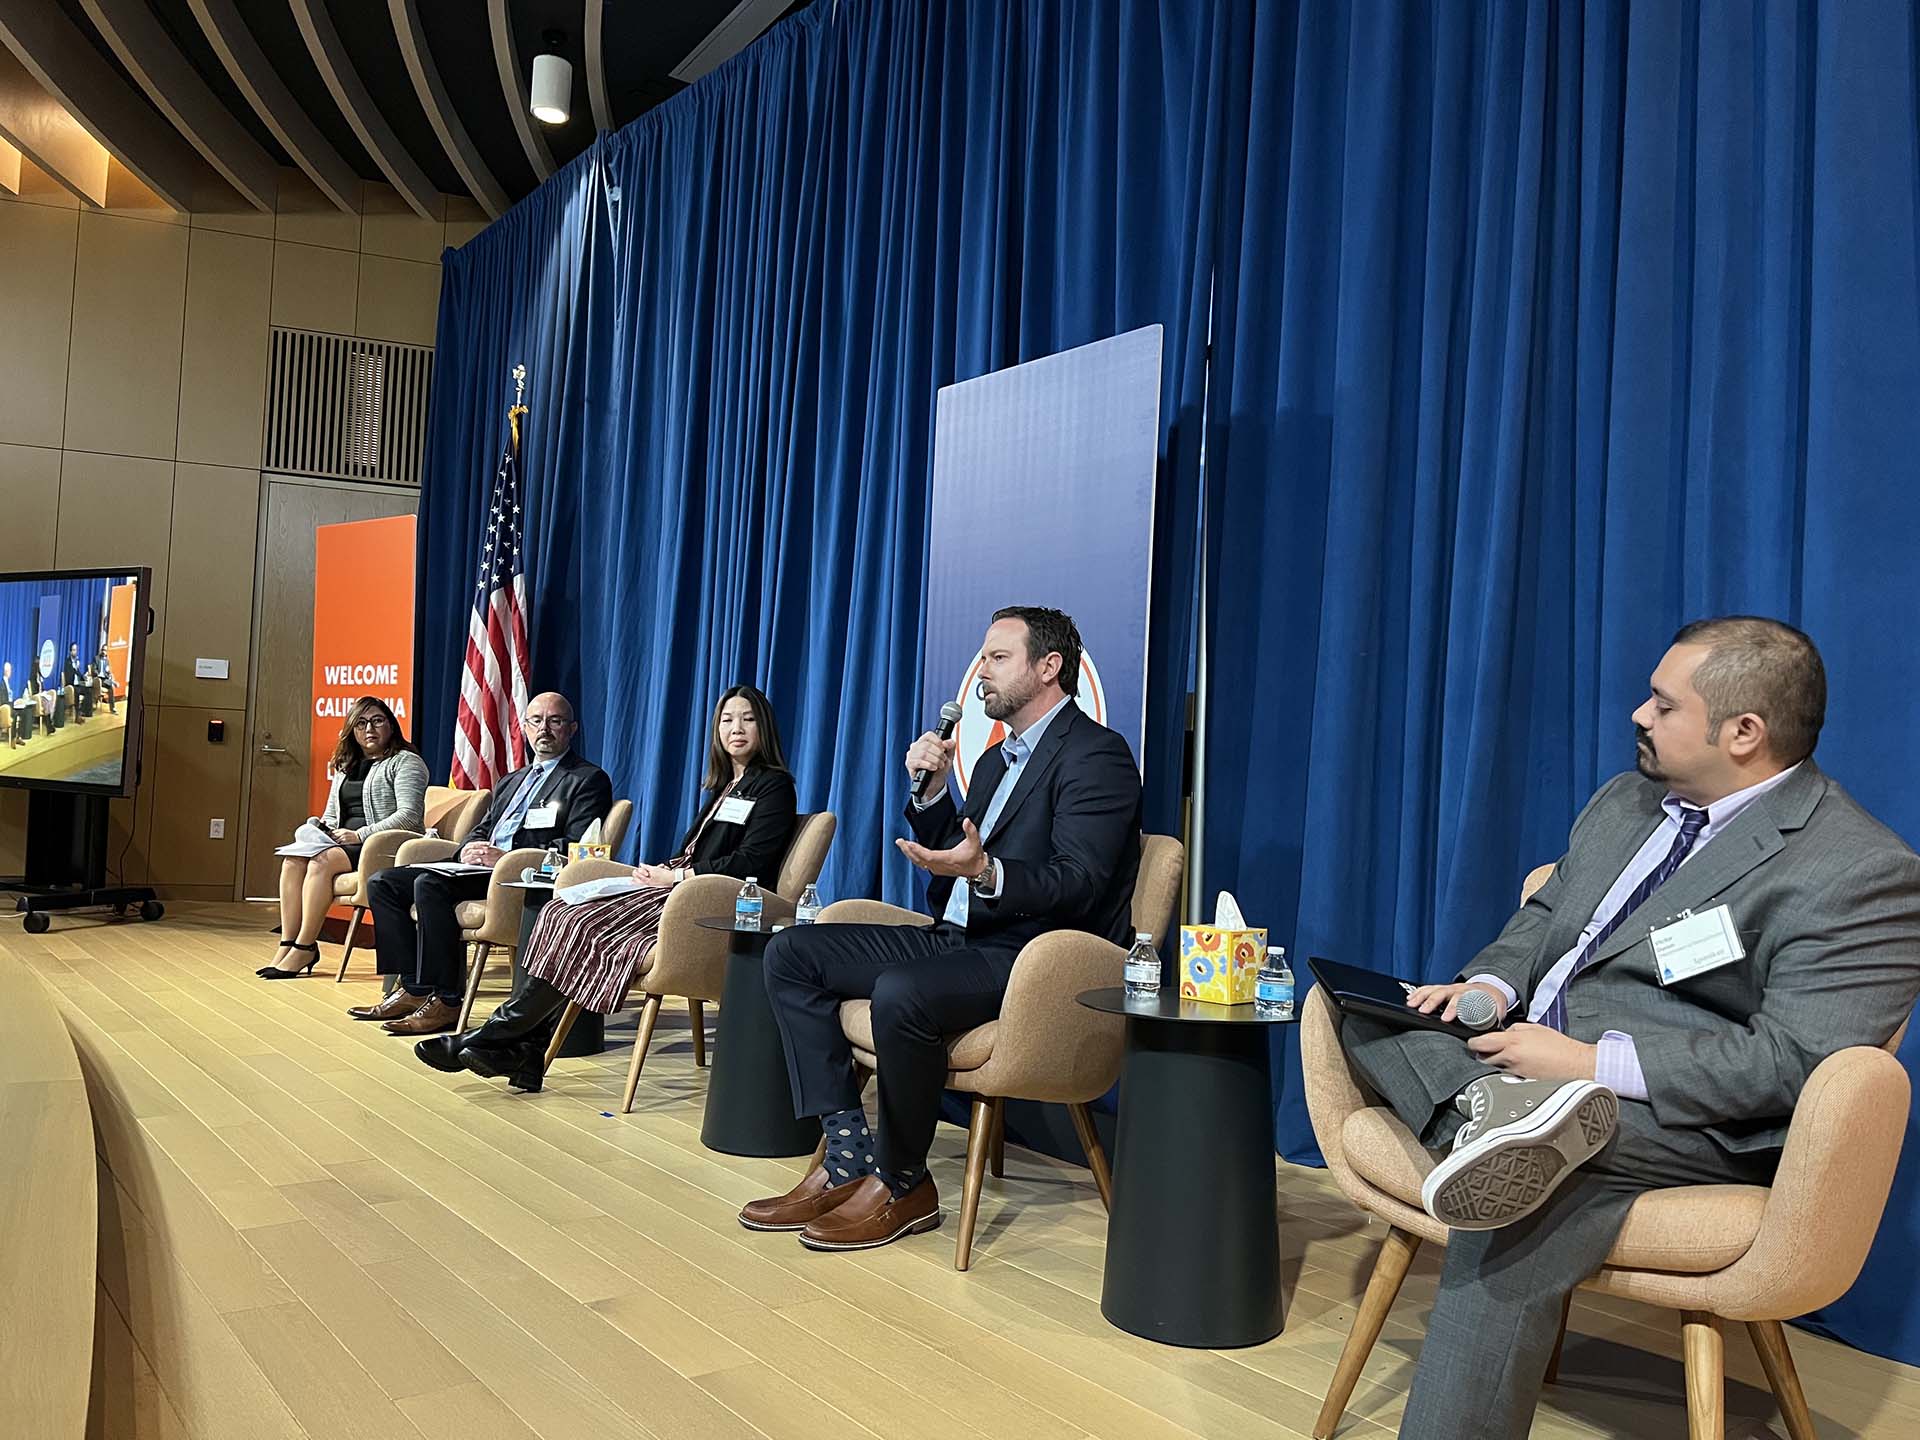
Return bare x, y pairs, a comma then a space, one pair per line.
912, 1227
1508, 1178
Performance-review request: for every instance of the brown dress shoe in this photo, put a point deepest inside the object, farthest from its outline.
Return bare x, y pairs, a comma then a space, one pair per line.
871, 1217
807, 1201
396, 1006
432, 1016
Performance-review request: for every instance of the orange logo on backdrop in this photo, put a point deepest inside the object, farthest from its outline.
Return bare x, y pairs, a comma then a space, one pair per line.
362, 630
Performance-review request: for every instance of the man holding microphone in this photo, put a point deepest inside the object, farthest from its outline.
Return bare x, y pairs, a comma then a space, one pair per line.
1048, 838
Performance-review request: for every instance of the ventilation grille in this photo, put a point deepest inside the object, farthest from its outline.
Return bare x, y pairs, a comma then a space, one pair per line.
347, 409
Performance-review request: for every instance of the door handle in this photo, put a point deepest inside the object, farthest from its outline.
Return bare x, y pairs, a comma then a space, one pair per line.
274, 750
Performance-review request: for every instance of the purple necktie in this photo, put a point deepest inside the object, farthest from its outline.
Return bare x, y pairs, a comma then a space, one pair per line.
1692, 822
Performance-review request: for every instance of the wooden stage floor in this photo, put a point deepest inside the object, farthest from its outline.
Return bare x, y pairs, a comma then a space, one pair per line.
304, 1232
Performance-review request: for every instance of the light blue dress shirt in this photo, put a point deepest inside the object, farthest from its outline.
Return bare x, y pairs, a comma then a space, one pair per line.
1019, 750
509, 824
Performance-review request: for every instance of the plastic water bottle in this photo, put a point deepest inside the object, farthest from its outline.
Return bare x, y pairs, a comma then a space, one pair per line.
806, 909
1273, 987
1142, 968
746, 906
553, 862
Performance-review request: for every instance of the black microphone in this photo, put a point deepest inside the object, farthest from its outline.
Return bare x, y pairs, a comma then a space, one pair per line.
950, 714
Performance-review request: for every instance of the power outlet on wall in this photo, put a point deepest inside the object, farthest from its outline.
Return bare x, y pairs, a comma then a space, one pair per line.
216, 829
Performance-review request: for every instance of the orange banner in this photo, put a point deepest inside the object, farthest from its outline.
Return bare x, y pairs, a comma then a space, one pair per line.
120, 631
362, 630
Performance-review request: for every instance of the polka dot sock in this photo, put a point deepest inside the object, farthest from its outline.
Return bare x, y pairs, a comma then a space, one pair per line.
849, 1146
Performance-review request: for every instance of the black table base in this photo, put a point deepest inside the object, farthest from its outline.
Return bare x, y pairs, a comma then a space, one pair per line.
749, 1100
1193, 1243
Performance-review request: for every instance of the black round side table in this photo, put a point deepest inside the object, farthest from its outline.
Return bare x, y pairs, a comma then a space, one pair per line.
749, 1101
1193, 1240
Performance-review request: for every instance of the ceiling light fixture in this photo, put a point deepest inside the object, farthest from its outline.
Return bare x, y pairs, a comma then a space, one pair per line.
552, 82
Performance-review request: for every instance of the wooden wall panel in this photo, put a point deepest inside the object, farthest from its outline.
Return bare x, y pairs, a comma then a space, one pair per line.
129, 304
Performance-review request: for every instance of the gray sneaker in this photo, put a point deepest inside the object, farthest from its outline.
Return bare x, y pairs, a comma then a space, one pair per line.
1521, 1139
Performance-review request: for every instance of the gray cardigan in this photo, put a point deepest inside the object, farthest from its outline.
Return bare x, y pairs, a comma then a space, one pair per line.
395, 797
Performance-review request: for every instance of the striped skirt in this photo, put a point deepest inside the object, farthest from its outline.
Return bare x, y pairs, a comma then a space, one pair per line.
591, 952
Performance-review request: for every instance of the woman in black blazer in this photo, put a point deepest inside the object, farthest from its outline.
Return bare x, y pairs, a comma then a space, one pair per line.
590, 952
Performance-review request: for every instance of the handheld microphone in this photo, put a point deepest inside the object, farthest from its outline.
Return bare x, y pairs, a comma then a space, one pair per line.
950, 714
1476, 1010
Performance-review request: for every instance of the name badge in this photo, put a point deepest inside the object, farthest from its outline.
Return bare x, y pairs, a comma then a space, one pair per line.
733, 811
1695, 944
542, 817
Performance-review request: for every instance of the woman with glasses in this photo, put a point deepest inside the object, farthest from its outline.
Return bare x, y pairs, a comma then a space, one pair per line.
379, 783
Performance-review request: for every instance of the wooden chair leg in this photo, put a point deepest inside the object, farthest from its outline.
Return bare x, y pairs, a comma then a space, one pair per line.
697, 1013
353, 933
1560, 1341
649, 1017
979, 1142
560, 1029
1096, 1154
1705, 1350
1389, 1270
997, 1153
819, 1156
475, 969
1770, 1339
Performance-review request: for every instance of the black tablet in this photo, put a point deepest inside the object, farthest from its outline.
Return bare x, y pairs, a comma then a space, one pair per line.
1378, 996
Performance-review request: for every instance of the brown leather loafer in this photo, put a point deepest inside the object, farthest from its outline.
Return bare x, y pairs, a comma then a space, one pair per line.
432, 1016
807, 1201
396, 1006
871, 1217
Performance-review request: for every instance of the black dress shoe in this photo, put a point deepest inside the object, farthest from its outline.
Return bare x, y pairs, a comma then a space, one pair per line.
522, 1066
442, 1052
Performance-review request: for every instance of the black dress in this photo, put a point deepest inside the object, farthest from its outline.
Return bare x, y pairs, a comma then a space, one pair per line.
353, 804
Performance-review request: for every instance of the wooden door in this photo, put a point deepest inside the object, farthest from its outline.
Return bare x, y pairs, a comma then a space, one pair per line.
283, 654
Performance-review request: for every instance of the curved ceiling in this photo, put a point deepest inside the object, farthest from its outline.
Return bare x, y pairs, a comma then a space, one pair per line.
424, 95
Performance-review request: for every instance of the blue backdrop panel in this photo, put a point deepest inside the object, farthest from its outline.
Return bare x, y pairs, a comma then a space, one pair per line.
1043, 479
1535, 329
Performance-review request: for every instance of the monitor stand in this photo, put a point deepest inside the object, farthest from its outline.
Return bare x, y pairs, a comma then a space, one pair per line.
67, 862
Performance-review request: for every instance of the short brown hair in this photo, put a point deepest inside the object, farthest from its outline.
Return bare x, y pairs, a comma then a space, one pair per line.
1764, 667
1049, 632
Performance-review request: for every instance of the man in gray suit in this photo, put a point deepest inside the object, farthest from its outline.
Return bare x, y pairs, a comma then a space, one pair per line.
1722, 921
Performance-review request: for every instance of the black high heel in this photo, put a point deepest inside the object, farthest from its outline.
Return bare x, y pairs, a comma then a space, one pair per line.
274, 972
283, 945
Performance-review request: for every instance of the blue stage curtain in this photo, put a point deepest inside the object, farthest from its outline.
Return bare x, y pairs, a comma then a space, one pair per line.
1548, 327
736, 313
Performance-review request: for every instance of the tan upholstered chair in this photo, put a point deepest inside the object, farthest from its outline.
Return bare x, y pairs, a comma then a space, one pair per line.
1045, 1046
494, 923
692, 961
1712, 1252
450, 811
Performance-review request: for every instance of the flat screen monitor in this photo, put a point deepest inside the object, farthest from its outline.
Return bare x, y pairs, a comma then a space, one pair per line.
73, 648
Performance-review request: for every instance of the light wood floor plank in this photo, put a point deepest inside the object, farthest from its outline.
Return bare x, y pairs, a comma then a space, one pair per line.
307, 1233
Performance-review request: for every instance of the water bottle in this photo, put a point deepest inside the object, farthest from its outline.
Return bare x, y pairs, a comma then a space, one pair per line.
553, 862
1142, 968
1273, 988
807, 909
746, 906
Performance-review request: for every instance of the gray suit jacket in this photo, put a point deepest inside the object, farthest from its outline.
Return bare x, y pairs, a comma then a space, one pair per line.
1827, 902
395, 797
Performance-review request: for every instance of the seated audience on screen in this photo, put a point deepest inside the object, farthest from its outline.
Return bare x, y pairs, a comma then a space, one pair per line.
74, 677
1048, 839
103, 673
18, 709
592, 952
378, 782
1610, 1082
553, 798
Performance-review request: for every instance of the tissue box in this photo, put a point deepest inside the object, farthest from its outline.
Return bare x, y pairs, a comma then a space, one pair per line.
587, 850
1220, 965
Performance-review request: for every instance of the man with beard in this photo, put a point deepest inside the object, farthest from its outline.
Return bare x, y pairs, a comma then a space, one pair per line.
1047, 839
1636, 1062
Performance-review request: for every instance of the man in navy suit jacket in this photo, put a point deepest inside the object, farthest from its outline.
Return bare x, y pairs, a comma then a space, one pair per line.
1048, 839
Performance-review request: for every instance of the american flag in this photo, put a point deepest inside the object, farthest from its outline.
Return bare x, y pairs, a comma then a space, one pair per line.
487, 742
